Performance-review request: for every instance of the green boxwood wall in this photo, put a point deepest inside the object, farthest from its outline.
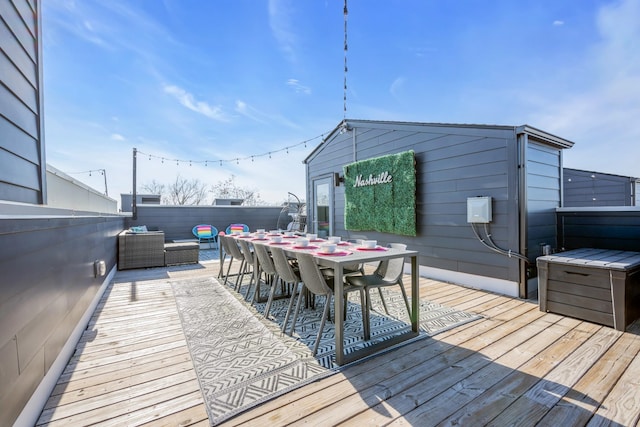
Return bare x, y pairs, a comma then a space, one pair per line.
388, 207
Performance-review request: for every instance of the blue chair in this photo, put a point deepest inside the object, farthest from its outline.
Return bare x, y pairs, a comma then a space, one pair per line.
206, 232
236, 228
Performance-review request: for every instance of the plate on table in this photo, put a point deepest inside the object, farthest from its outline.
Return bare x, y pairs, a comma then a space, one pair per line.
377, 248
337, 253
279, 243
305, 247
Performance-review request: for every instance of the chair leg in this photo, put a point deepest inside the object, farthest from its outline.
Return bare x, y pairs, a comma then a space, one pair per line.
240, 277
222, 259
226, 276
384, 303
295, 312
325, 314
246, 295
272, 293
268, 280
406, 299
292, 299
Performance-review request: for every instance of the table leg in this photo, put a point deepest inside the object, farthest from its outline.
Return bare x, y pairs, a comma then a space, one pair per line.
338, 298
415, 295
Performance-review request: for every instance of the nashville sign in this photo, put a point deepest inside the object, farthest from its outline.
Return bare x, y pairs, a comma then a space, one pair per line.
382, 178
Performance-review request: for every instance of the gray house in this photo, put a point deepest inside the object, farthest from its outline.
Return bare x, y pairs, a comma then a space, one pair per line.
516, 171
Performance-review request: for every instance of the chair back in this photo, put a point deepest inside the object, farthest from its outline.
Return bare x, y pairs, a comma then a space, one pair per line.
204, 231
264, 259
395, 266
246, 250
283, 268
224, 244
237, 228
233, 248
311, 275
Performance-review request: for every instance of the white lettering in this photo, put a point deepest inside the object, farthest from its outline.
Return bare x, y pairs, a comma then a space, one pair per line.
382, 178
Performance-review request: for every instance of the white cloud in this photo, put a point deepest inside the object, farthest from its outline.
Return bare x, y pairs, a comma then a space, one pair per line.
281, 25
117, 137
396, 86
298, 87
558, 23
610, 106
188, 100
263, 117
250, 112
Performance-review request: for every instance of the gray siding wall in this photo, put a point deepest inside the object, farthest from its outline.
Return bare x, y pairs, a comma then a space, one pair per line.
453, 163
46, 284
177, 221
22, 163
604, 228
543, 196
585, 188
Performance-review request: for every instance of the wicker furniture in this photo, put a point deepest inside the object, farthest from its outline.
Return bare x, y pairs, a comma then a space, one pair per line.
181, 253
140, 250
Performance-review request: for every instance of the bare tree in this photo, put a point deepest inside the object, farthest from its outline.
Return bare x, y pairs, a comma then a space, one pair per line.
228, 189
186, 192
154, 187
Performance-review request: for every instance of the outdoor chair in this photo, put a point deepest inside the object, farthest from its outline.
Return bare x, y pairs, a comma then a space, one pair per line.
233, 250
236, 228
207, 233
266, 266
287, 275
388, 273
249, 262
315, 282
224, 252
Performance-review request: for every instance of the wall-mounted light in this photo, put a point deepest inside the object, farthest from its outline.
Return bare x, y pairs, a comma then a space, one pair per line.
344, 128
337, 179
99, 268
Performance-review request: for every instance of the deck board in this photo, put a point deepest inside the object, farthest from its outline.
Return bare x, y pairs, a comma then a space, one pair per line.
515, 365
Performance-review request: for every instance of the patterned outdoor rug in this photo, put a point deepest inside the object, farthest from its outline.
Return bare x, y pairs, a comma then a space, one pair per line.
242, 359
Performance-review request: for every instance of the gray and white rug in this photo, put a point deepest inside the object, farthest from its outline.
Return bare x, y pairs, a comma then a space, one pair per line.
242, 359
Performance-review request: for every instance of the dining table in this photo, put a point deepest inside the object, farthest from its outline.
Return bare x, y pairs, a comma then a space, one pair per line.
348, 253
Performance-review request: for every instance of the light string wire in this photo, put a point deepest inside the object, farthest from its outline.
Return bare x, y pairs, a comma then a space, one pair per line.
102, 172
346, 13
235, 160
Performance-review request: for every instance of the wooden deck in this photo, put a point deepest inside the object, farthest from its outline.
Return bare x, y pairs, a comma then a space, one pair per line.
517, 366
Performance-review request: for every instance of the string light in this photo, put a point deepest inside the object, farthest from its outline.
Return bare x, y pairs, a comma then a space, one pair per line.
346, 13
102, 171
237, 160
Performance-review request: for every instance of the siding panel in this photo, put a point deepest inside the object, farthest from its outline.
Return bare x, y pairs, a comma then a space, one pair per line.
21, 146
452, 164
22, 173
39, 307
543, 197
17, 26
14, 50
18, 84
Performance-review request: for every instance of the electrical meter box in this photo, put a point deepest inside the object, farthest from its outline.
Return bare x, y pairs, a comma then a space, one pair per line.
479, 209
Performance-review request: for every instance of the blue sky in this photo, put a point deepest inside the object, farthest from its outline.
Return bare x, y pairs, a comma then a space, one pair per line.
219, 80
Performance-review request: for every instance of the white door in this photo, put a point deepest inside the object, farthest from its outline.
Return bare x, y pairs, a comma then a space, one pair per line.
323, 207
